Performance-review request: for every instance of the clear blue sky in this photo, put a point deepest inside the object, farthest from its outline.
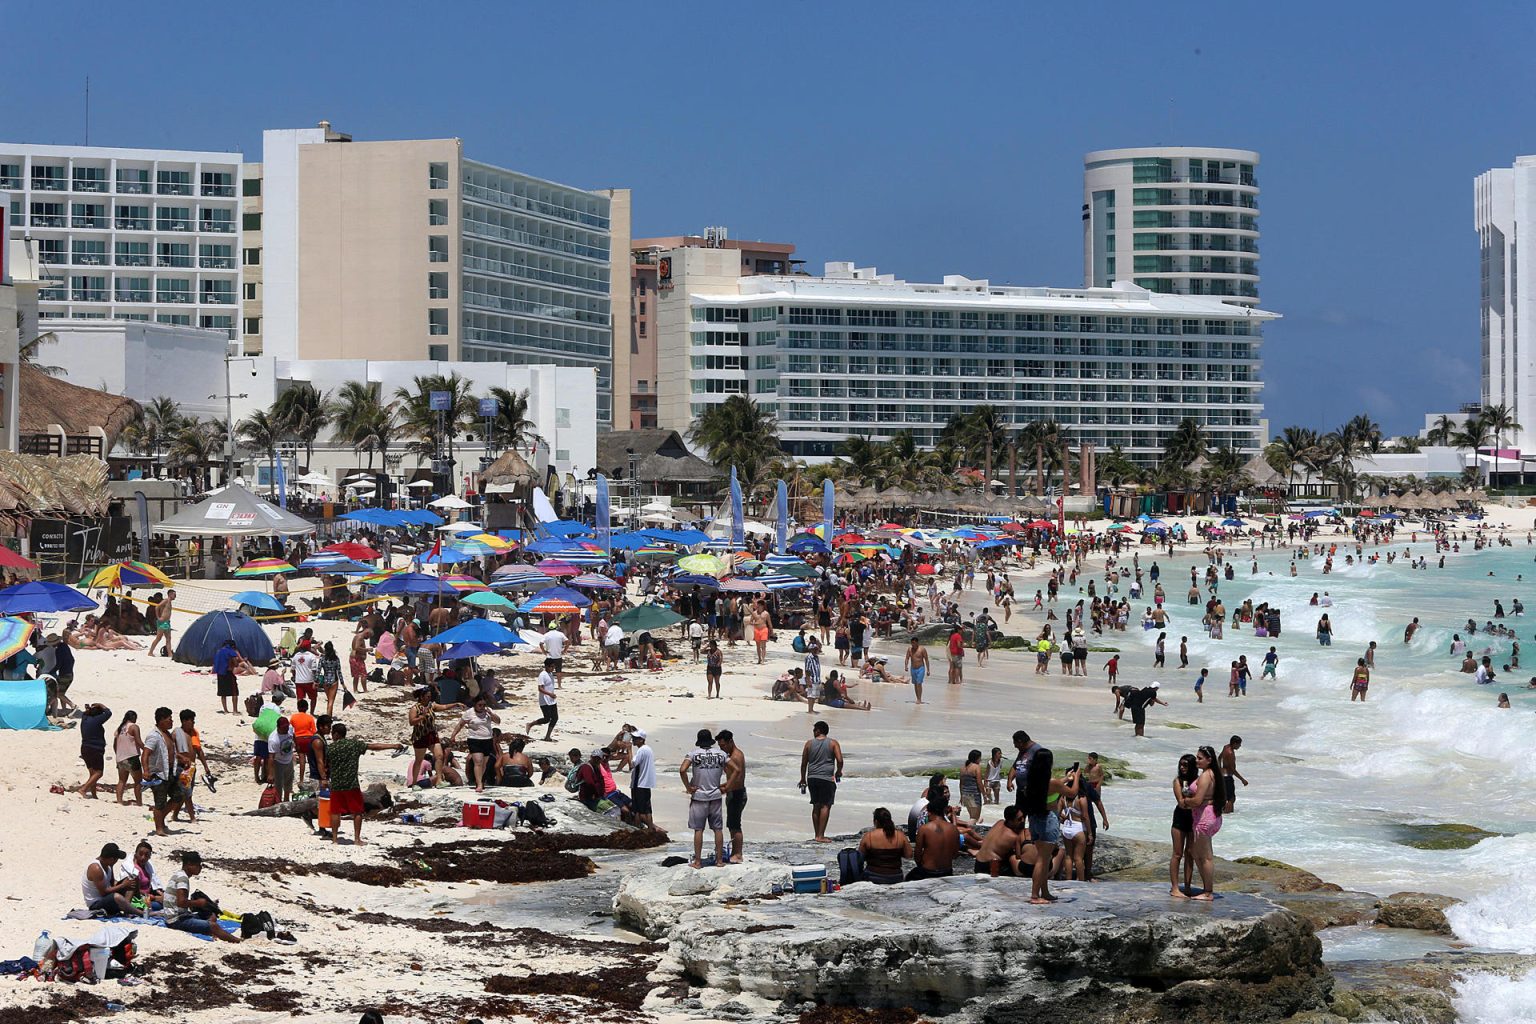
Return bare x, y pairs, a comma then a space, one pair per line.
922, 138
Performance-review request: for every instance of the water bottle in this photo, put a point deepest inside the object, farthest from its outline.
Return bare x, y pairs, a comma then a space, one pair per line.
40, 947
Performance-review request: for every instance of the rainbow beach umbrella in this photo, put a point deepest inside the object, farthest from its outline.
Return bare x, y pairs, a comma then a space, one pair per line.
263, 567
463, 584
128, 573
14, 634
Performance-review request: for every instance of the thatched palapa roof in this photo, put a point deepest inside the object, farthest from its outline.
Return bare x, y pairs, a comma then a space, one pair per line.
510, 470
47, 400
43, 484
661, 457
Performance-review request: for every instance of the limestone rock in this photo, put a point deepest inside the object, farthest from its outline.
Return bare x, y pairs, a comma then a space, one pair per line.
652, 901
1421, 911
1421, 990
1110, 951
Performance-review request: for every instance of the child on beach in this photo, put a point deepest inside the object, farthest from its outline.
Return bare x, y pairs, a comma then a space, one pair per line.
995, 776
1271, 663
1200, 685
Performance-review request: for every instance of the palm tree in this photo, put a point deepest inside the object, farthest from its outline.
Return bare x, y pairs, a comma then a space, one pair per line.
1441, 432
1186, 443
30, 349
1362, 435
157, 422
417, 418
1501, 420
304, 412
1474, 434
1045, 438
981, 432
195, 445
737, 432
1116, 468
1226, 472
1295, 447
263, 431
511, 427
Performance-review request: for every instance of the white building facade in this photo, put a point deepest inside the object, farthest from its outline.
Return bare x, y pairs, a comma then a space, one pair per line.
131, 234
1176, 220
1504, 205
854, 353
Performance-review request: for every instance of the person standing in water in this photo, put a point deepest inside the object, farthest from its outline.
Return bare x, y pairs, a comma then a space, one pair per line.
916, 662
1230, 776
1360, 682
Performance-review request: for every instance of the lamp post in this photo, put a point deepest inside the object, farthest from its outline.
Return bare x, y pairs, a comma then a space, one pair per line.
229, 412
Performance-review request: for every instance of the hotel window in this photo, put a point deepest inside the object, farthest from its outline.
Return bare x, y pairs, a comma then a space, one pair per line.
174, 319
437, 175
217, 292
47, 178
211, 256
250, 222
216, 220
90, 179
437, 212
250, 187
217, 323
218, 183
89, 253
47, 215
173, 183
10, 176
250, 257
248, 292
133, 254
133, 181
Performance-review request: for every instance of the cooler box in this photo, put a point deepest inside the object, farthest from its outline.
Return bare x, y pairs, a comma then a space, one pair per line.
324, 813
809, 877
486, 813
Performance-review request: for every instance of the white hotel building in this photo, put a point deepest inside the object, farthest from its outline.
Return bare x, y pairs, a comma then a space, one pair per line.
129, 234
1504, 211
856, 353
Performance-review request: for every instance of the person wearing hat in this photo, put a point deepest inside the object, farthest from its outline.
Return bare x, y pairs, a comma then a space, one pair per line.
589, 779
707, 765
103, 893
642, 778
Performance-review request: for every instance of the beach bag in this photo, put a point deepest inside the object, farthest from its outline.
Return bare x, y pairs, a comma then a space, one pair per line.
850, 866
78, 966
532, 815
268, 798
253, 704
799, 644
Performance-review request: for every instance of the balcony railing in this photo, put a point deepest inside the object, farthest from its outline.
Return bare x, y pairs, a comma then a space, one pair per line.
218, 298
90, 185
47, 220
516, 202
219, 190
174, 188
132, 259
437, 257
132, 188
90, 259
49, 185
87, 222
131, 294
88, 295
132, 223
52, 257
218, 226
216, 262
173, 225
10, 183
169, 296
173, 261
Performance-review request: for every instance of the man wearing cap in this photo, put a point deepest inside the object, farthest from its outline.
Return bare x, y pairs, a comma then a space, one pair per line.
1138, 700
704, 797
102, 893
642, 778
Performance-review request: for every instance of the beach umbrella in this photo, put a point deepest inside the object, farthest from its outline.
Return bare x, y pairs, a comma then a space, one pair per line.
648, 616
1155, 530
344, 567
257, 599
782, 560
459, 528
808, 545
627, 542
12, 560
706, 565
497, 545
14, 634
450, 501
516, 575
743, 585
127, 574
536, 605
414, 583
463, 584
39, 596
470, 649
554, 567
564, 594
488, 599
477, 631
694, 579
579, 556
1120, 528
799, 571
354, 550
262, 567
594, 581
1234, 522
926, 569
654, 553
781, 581
450, 555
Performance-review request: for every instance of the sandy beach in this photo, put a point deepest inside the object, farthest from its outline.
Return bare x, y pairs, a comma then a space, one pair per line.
413, 944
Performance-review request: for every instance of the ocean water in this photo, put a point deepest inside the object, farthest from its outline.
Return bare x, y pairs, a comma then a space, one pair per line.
1337, 787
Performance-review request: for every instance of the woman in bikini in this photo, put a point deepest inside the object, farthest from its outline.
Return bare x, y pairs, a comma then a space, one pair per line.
1205, 805
93, 636
1183, 826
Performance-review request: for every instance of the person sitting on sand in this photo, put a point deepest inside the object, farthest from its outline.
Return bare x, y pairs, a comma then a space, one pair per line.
102, 891
874, 668
514, 768
788, 686
93, 636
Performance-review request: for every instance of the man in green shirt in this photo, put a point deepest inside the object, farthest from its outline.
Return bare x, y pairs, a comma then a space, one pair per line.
341, 758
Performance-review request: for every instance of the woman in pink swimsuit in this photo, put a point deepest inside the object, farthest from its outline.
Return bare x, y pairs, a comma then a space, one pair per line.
1205, 804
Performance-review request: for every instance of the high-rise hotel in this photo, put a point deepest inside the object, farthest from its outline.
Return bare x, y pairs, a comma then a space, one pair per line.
1504, 213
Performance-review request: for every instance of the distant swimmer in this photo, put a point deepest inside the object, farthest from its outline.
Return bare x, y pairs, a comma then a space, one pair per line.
1503, 700
1413, 627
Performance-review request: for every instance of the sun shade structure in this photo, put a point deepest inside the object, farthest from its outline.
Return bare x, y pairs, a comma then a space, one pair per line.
477, 631
256, 599
648, 616
204, 637
234, 512
14, 634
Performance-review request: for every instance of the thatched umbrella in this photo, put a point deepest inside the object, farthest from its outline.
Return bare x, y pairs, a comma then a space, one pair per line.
46, 401
510, 470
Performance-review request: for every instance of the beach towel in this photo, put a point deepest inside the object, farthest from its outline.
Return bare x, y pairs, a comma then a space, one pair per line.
123, 922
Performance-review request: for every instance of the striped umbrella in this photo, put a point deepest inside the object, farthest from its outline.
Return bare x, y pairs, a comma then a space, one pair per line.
780, 581
380, 575
742, 585
14, 634
515, 574
593, 581
779, 560
536, 605
654, 553
128, 573
463, 584
263, 567
579, 556
554, 567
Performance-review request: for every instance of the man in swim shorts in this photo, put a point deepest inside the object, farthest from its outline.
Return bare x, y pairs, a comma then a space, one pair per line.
916, 662
762, 628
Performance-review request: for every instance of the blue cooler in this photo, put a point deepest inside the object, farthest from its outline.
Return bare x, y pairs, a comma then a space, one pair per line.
809, 877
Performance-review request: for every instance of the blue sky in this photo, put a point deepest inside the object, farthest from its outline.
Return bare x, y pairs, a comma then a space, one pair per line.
922, 138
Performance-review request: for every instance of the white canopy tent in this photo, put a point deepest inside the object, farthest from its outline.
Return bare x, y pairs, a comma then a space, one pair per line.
234, 512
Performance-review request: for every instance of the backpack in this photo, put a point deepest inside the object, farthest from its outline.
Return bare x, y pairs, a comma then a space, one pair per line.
799, 643
253, 705
532, 815
268, 798
850, 866
78, 966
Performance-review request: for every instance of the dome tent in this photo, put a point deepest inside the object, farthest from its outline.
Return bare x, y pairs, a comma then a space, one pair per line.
204, 637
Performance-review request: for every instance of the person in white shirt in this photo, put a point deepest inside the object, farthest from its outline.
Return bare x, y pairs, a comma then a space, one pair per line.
482, 750
613, 642
553, 645
549, 710
695, 637
196, 914
704, 797
306, 666
642, 779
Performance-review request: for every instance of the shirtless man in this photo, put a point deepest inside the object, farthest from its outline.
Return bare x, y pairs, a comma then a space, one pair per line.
163, 623
1229, 771
1413, 627
439, 619
734, 788
762, 626
938, 844
1001, 846
916, 662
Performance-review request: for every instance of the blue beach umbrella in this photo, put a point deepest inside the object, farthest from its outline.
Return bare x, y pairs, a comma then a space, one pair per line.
415, 583
471, 649
256, 599
39, 596
477, 631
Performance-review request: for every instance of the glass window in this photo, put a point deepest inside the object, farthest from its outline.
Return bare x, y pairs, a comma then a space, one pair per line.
250, 222
250, 187
250, 257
